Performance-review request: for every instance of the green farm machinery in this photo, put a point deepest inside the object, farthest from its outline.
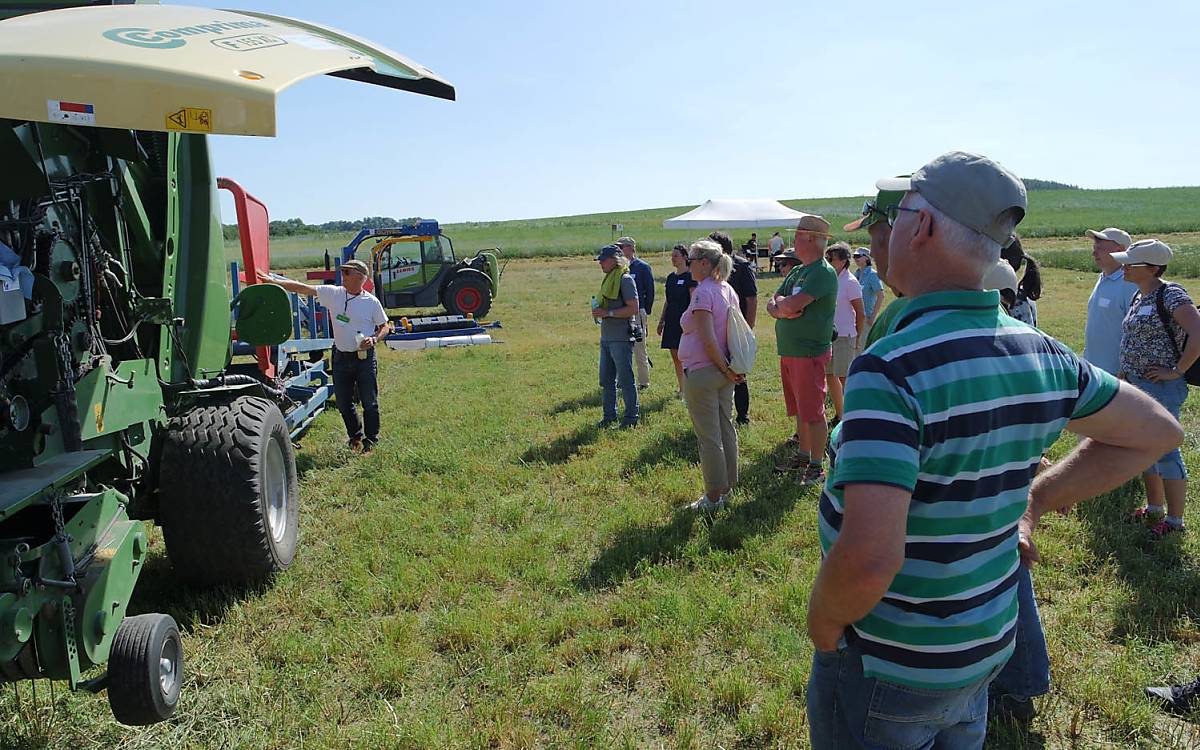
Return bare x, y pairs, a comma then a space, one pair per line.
120, 402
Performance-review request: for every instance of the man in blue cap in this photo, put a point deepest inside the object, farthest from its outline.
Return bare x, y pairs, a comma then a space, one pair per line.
616, 306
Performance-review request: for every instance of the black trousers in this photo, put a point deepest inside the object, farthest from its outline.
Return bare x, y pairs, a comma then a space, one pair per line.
354, 380
741, 401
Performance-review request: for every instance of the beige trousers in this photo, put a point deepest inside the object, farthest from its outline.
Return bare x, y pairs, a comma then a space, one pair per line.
641, 358
709, 398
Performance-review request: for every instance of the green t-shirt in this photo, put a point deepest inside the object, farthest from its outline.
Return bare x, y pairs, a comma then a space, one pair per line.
810, 334
883, 322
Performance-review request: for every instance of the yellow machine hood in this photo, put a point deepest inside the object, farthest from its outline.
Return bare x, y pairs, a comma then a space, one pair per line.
171, 67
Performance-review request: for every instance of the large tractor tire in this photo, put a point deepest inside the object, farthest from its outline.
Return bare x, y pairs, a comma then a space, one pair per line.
468, 293
230, 498
145, 670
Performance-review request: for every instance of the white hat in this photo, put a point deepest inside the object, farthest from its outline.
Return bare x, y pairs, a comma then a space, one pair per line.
1154, 252
1119, 236
1000, 277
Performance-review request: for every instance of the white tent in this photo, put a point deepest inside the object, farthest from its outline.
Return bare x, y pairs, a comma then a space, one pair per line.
736, 214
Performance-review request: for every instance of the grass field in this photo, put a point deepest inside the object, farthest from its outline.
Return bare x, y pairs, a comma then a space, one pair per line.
1052, 213
501, 574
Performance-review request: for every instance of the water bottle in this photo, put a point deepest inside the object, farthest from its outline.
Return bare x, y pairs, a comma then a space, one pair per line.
595, 304
358, 340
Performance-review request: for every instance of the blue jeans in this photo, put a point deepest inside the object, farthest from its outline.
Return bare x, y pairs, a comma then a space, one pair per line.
1027, 673
848, 710
356, 378
616, 370
1171, 394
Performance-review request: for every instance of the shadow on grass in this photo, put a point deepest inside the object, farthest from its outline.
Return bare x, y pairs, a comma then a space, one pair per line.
589, 401
562, 448
771, 498
159, 589
667, 450
1163, 583
324, 457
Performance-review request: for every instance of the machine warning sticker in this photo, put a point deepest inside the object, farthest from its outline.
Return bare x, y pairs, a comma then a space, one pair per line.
248, 42
72, 113
190, 118
99, 417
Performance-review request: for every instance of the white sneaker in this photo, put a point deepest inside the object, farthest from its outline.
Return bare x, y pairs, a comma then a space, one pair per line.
708, 506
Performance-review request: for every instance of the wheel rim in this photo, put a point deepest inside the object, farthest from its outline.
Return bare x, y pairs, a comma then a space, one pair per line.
468, 299
278, 495
168, 666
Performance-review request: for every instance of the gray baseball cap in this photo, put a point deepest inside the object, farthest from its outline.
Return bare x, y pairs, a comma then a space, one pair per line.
1154, 252
971, 189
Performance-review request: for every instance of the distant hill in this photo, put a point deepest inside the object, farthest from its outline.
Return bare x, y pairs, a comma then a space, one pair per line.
1032, 183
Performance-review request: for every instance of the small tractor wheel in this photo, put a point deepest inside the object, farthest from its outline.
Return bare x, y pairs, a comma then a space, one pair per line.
468, 293
145, 670
229, 495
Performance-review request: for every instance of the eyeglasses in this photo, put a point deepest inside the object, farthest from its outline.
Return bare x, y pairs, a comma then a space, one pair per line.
893, 213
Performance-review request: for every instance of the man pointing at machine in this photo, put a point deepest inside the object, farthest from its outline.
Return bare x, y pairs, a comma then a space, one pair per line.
359, 321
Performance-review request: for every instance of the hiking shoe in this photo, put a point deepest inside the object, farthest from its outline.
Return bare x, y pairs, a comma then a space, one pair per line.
704, 505
1006, 706
1143, 515
1176, 698
797, 463
605, 424
742, 421
1163, 528
628, 425
368, 445
793, 440
355, 444
813, 474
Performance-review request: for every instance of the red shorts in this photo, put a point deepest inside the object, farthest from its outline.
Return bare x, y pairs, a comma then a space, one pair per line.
804, 386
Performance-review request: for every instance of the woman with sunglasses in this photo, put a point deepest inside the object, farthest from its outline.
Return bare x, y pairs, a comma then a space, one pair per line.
1160, 340
708, 380
678, 293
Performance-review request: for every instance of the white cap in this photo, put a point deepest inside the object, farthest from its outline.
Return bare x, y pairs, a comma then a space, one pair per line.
1154, 252
1000, 277
1119, 236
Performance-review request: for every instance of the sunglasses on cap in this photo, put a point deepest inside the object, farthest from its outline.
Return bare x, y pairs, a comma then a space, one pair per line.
869, 208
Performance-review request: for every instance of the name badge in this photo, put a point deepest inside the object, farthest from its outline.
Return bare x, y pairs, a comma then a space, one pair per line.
681, 282
343, 318
1145, 310
797, 289
1105, 302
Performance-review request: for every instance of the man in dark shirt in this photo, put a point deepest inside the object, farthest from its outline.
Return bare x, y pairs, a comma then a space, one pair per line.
745, 285
643, 277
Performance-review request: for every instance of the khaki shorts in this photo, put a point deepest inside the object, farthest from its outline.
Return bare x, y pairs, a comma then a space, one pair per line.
843, 353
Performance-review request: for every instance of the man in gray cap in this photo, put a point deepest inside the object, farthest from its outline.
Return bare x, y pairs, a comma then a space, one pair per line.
359, 322
1110, 300
914, 610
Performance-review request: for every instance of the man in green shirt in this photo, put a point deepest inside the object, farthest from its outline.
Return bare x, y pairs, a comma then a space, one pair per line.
803, 310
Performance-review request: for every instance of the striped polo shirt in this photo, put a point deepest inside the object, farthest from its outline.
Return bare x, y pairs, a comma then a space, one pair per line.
957, 406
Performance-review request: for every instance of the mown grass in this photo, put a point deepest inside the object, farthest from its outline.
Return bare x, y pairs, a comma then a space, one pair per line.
1052, 213
501, 574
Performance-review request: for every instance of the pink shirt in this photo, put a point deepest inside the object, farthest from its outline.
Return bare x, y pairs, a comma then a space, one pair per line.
848, 290
716, 297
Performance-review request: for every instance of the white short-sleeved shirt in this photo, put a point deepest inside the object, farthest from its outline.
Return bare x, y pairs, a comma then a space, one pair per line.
350, 314
844, 318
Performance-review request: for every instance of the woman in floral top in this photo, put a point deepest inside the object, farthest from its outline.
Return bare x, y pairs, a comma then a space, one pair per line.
1160, 340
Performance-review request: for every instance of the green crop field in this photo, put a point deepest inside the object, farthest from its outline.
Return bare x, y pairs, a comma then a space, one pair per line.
1052, 213
501, 574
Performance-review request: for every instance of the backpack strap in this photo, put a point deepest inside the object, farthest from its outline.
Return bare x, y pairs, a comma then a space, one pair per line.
1166, 319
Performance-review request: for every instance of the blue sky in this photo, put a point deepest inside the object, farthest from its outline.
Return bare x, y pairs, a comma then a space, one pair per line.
570, 107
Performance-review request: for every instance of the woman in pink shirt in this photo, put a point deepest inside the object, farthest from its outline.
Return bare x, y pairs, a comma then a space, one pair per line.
708, 380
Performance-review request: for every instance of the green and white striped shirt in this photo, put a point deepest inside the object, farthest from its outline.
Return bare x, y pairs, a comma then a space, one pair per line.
956, 406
